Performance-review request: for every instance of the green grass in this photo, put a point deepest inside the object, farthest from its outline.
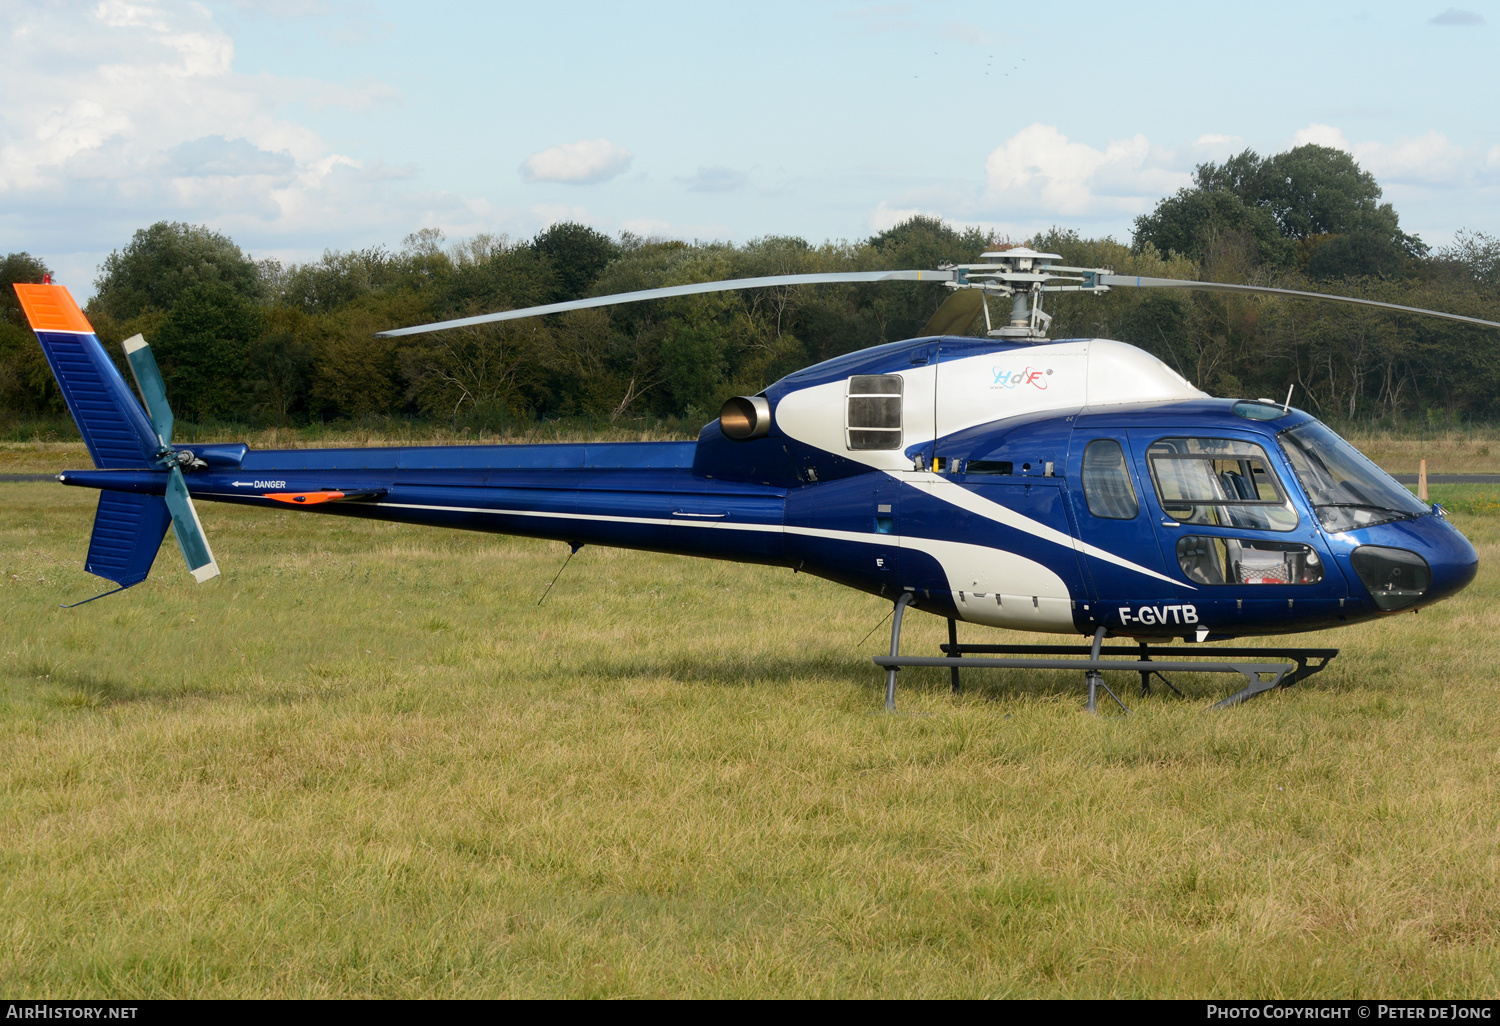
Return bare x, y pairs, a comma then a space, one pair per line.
366, 763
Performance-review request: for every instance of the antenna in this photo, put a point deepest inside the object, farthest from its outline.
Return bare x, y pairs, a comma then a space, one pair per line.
1288, 404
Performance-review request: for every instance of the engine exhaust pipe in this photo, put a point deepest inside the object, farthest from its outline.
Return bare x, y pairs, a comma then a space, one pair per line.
745, 417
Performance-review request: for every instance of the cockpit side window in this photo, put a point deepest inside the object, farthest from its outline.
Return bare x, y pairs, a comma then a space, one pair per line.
874, 411
1106, 481
1219, 482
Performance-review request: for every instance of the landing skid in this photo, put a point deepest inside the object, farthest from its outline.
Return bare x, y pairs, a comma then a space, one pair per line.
1298, 663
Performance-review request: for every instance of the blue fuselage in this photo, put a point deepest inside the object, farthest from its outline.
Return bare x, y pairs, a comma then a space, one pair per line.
920, 531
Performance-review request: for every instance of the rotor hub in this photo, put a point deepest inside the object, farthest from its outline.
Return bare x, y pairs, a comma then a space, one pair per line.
1024, 274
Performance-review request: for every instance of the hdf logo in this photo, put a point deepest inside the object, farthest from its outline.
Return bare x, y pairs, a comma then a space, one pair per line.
1030, 376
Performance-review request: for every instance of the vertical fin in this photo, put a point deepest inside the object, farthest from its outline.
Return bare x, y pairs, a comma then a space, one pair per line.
113, 425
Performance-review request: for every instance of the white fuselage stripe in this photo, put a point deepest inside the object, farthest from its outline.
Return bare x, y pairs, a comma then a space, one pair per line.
966, 499
973, 503
983, 507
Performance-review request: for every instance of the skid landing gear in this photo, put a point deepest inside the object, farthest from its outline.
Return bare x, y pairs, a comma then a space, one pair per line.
1095, 680
893, 663
1146, 675
1295, 663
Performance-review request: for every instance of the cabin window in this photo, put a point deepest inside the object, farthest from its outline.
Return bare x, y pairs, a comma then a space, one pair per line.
874, 411
1346, 489
1106, 481
1219, 482
1206, 560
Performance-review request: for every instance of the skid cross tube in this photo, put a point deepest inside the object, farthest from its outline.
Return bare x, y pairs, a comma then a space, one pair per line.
1244, 661
1301, 656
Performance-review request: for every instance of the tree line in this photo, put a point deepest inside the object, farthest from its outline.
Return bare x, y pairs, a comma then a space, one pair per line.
259, 342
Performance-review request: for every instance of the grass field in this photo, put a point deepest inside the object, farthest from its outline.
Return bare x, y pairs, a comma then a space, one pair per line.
366, 763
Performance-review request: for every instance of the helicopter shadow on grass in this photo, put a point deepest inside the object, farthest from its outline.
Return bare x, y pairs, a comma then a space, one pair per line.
735, 670
857, 672
59, 685
65, 687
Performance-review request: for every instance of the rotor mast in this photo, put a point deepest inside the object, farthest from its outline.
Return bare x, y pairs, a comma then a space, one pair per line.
1022, 275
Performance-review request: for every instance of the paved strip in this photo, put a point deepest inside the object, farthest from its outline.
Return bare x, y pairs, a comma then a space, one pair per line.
1490, 479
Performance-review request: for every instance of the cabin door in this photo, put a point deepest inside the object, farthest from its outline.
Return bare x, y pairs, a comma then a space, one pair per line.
1121, 554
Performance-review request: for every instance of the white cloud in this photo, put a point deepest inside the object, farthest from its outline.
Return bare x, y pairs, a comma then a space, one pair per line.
213, 155
654, 228
1039, 177
1322, 135
1455, 16
123, 112
1431, 161
548, 214
1040, 171
281, 8
1217, 145
886, 216
971, 35
716, 179
648, 227
580, 163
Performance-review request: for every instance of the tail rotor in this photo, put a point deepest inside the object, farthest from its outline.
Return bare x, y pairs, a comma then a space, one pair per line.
185, 523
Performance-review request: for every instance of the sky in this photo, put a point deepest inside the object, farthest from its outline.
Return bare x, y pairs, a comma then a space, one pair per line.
299, 126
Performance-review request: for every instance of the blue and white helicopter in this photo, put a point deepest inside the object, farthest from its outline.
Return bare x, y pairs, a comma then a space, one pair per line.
1076, 487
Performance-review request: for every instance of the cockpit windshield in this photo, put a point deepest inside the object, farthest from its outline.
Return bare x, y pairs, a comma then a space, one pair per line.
1346, 489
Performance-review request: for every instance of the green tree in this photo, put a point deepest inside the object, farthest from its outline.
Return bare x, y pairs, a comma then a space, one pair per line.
1192, 219
497, 277
201, 347
578, 255
278, 368
26, 383
1312, 206
338, 279
480, 372
694, 365
1475, 257
165, 260
18, 268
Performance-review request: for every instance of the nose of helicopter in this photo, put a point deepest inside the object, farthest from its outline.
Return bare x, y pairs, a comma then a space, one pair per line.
1414, 563
1451, 556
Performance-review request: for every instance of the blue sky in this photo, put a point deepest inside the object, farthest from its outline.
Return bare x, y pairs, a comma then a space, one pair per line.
303, 125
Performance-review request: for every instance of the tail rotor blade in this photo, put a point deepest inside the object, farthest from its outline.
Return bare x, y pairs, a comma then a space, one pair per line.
153, 389
188, 528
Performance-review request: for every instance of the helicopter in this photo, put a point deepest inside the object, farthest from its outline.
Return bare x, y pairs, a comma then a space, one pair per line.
1072, 487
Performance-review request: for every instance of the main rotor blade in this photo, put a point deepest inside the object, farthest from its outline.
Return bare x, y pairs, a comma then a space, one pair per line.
189, 529
1132, 281
676, 290
153, 389
956, 314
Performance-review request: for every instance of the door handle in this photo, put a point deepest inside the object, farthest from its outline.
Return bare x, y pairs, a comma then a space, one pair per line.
1170, 523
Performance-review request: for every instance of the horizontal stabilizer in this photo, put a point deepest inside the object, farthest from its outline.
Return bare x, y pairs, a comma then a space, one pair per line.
128, 531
